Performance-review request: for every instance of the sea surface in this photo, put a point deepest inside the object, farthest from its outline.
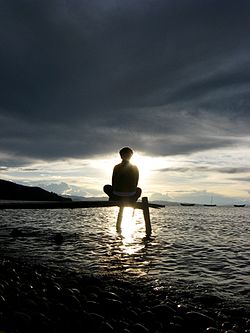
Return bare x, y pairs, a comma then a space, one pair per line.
194, 250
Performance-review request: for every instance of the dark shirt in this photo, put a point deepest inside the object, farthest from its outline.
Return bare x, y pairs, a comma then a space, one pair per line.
125, 177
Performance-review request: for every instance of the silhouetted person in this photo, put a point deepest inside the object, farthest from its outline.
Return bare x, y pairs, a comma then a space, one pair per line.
124, 179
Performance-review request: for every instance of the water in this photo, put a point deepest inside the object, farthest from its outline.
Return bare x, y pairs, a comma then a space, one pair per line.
194, 249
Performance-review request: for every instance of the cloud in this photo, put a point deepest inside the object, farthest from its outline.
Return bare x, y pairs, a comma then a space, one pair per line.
241, 179
80, 78
231, 170
63, 188
225, 170
160, 196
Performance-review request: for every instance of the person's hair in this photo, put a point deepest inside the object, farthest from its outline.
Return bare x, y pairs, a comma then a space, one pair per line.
126, 151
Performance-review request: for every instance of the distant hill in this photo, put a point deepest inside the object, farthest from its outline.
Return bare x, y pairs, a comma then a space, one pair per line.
80, 198
13, 191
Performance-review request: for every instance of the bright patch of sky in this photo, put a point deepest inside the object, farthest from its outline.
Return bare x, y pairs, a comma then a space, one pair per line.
223, 174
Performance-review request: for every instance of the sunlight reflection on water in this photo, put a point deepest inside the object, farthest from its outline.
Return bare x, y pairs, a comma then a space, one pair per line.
131, 229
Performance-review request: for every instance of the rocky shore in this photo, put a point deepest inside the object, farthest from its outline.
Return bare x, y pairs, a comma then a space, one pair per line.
34, 298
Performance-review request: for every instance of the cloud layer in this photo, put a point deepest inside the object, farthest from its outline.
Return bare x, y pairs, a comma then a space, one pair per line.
80, 78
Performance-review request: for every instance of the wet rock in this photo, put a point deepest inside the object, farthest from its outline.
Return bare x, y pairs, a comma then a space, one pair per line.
175, 328
91, 288
163, 314
76, 291
93, 297
112, 306
226, 325
44, 305
139, 328
53, 289
148, 319
131, 314
30, 303
182, 309
199, 320
163, 309
237, 328
106, 327
110, 295
170, 302
2, 288
207, 299
60, 309
72, 302
93, 307
2, 302
41, 320
94, 321
122, 325
178, 320
211, 330
22, 320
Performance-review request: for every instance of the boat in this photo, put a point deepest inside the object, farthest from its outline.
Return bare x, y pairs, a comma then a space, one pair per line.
239, 205
211, 203
187, 204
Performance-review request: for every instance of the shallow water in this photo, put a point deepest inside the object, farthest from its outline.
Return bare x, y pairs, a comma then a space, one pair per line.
194, 249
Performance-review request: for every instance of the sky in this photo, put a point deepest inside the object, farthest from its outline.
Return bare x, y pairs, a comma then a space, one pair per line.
81, 79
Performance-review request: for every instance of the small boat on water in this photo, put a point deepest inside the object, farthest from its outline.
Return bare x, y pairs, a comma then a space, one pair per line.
187, 204
239, 205
211, 203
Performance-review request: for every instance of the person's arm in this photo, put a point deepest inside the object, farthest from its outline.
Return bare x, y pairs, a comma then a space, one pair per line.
114, 176
136, 175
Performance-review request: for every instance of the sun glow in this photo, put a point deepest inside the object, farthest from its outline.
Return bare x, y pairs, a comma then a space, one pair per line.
148, 167
145, 165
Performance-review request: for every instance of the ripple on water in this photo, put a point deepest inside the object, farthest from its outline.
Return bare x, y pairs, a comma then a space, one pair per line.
208, 247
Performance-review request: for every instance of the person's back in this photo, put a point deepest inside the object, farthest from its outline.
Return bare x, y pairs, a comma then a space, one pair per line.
124, 179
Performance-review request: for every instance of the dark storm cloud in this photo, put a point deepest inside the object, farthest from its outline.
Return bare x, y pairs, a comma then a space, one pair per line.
80, 78
225, 170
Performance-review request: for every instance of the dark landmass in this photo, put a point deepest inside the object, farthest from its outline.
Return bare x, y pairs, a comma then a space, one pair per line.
13, 191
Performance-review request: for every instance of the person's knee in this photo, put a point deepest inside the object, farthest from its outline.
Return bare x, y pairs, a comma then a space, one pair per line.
138, 191
108, 189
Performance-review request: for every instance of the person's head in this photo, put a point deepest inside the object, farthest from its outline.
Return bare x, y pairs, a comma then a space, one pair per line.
126, 153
